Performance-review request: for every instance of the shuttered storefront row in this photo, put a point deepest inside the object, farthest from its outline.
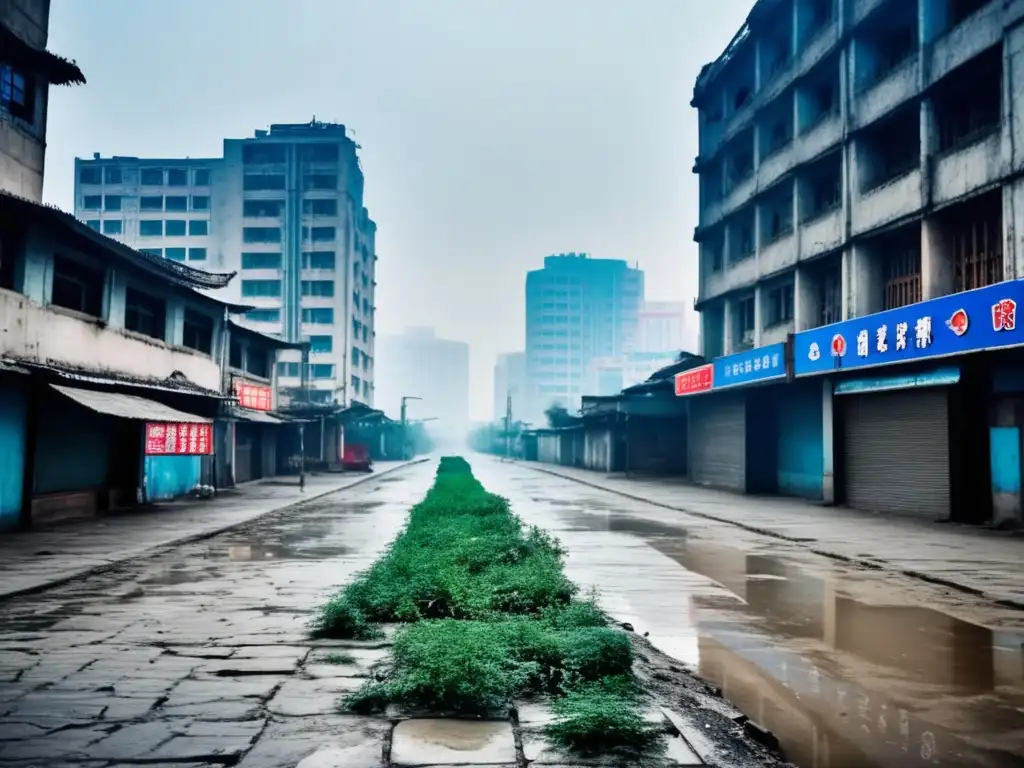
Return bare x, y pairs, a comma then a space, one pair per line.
718, 441
896, 452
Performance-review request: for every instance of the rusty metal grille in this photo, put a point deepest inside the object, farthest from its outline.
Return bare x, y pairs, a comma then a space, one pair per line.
978, 248
903, 278
832, 296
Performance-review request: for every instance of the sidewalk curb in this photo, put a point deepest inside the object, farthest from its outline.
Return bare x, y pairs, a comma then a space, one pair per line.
95, 570
873, 565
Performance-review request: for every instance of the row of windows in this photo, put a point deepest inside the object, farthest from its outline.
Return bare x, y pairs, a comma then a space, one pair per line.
273, 234
172, 203
314, 370
360, 357
272, 288
274, 182
259, 153
173, 227
177, 254
273, 209
315, 316
310, 260
148, 177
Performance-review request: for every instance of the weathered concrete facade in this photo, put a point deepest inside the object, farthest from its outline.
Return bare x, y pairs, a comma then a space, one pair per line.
856, 156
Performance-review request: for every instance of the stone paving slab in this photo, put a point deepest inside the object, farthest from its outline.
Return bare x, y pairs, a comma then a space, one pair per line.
437, 742
44, 557
935, 552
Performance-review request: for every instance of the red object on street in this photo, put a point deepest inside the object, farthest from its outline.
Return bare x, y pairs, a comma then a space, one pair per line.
254, 396
695, 380
356, 456
168, 439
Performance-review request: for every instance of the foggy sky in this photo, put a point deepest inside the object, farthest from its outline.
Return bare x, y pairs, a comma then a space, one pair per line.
493, 132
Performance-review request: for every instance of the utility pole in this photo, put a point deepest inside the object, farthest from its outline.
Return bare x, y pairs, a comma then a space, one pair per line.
508, 427
405, 426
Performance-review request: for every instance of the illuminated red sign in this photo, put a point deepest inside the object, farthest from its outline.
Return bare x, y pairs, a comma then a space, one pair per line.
167, 439
254, 396
695, 380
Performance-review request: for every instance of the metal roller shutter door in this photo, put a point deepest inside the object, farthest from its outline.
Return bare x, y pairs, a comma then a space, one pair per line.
897, 452
718, 441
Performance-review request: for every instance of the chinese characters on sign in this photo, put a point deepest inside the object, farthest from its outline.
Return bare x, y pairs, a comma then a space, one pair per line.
695, 380
167, 439
253, 396
934, 328
750, 367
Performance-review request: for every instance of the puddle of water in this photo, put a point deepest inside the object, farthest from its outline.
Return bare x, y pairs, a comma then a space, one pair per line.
244, 553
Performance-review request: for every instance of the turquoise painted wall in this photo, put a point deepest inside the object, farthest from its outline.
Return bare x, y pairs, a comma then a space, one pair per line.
170, 476
801, 455
72, 446
1004, 448
12, 456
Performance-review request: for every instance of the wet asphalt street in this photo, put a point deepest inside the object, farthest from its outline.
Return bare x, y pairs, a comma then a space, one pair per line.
200, 656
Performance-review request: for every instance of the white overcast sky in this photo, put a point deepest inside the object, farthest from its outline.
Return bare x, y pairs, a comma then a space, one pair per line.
494, 132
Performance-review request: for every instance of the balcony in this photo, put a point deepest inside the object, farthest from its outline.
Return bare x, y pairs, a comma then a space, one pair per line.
966, 40
821, 234
975, 166
886, 203
777, 256
864, 8
820, 137
895, 88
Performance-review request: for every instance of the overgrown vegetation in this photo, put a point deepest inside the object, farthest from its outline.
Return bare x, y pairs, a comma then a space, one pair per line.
492, 617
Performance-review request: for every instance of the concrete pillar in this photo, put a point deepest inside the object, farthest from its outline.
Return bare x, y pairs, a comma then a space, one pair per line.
758, 78
1013, 224
938, 275
806, 300
863, 282
828, 483
797, 217
929, 145
728, 326
760, 306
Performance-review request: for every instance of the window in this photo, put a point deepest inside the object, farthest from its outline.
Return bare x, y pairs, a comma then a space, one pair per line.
322, 181
77, 286
151, 228
200, 203
199, 227
288, 369
177, 177
177, 203
152, 251
89, 176
745, 323
257, 209
144, 314
112, 203
264, 315
355, 383
257, 363
318, 153
261, 234
235, 353
197, 254
151, 203
256, 154
319, 234
93, 224
175, 254
318, 316
320, 207
112, 175
261, 287
355, 357
321, 343
112, 227
261, 261
321, 371
174, 227
318, 260
317, 287
198, 331
366, 333
151, 177
201, 177
780, 304
92, 202
16, 93
258, 182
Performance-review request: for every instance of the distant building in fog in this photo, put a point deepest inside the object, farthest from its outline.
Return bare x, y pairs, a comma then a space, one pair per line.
610, 375
510, 381
577, 309
662, 327
417, 363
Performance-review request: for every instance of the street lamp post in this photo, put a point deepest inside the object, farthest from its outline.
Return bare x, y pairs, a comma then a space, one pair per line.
405, 425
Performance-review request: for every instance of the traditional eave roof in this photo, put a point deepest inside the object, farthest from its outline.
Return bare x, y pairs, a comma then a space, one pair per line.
172, 271
274, 342
177, 382
56, 69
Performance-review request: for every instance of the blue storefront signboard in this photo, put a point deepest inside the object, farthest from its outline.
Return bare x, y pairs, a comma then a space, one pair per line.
751, 367
941, 377
985, 318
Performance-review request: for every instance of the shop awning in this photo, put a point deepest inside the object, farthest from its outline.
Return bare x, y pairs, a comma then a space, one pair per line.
128, 406
261, 417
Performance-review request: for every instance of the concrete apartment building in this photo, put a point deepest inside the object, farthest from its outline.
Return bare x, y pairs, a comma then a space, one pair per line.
419, 364
577, 309
856, 156
509, 381
662, 327
27, 70
284, 209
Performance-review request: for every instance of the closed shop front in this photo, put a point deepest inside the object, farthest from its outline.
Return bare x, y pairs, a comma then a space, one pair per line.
718, 440
896, 450
248, 451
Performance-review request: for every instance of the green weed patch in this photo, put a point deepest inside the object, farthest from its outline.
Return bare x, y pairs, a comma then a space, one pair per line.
491, 616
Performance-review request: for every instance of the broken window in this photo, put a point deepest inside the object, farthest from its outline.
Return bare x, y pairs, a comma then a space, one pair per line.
197, 332
77, 286
892, 148
144, 314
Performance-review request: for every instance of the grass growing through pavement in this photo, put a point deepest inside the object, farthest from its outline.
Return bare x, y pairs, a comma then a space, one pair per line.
491, 617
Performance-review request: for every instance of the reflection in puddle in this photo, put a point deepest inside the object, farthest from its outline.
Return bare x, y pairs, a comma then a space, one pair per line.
844, 682
242, 553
